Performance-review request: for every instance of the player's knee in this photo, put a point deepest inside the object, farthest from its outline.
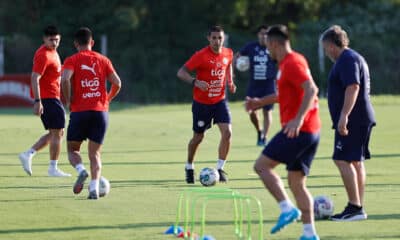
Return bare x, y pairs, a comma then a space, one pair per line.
258, 167
197, 139
226, 135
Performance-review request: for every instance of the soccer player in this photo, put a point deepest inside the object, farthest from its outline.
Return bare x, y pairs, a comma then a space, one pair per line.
262, 80
352, 117
84, 87
213, 67
296, 144
45, 86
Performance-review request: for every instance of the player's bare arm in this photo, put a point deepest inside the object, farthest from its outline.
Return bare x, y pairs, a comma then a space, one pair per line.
115, 85
37, 107
350, 97
185, 76
66, 85
292, 128
235, 57
252, 104
229, 79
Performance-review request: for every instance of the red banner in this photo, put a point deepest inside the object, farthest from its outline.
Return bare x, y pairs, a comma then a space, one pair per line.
15, 90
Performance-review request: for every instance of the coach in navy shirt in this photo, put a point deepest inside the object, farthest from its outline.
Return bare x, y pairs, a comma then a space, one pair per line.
352, 117
262, 79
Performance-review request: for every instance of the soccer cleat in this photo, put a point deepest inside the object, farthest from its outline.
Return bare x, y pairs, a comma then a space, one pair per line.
261, 142
350, 213
55, 172
222, 176
93, 195
285, 219
189, 176
78, 186
315, 237
26, 161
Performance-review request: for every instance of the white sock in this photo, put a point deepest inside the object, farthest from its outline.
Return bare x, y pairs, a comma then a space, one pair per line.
309, 230
94, 185
189, 166
79, 167
53, 164
31, 151
220, 164
286, 205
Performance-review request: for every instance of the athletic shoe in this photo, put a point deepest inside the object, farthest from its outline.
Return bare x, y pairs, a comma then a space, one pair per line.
261, 142
55, 172
189, 176
26, 161
78, 186
286, 218
315, 237
222, 176
93, 195
350, 213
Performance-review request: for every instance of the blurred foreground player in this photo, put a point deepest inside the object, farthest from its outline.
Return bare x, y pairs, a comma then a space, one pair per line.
296, 144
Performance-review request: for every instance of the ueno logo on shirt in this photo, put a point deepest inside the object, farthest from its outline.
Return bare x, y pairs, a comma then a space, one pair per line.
218, 73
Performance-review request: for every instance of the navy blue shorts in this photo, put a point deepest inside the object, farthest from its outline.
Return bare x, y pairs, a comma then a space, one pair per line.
259, 92
354, 146
53, 116
206, 114
297, 153
90, 125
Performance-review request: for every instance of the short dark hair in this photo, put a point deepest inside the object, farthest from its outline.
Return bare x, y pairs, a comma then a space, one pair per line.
278, 32
259, 28
215, 28
336, 35
83, 36
50, 31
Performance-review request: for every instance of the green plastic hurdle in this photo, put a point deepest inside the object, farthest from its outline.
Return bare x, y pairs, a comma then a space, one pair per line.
238, 217
192, 196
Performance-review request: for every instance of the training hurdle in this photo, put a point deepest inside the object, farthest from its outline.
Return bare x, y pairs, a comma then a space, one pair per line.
190, 198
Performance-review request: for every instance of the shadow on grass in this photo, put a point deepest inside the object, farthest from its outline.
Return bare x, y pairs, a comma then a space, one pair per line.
372, 237
108, 227
384, 216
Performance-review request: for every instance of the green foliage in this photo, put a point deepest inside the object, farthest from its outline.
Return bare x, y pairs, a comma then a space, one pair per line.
148, 41
373, 31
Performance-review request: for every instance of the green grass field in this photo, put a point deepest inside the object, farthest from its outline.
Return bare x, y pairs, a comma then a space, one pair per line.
143, 157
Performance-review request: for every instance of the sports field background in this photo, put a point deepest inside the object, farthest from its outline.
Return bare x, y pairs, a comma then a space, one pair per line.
143, 157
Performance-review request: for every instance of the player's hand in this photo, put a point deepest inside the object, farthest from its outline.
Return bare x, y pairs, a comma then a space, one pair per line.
292, 128
232, 88
251, 104
201, 84
38, 108
342, 125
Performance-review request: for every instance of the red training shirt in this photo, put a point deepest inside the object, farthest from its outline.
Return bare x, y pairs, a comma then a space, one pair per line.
212, 68
47, 63
88, 82
293, 72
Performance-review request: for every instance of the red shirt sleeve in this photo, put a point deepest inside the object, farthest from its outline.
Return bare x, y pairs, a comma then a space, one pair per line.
40, 63
194, 62
109, 67
300, 72
68, 64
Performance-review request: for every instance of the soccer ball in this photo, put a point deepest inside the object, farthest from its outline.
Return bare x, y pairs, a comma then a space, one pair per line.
104, 186
323, 207
209, 176
242, 63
